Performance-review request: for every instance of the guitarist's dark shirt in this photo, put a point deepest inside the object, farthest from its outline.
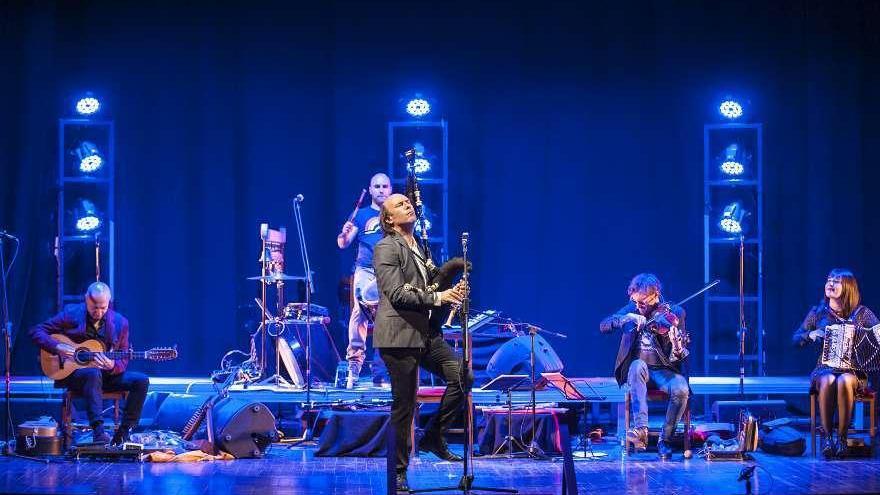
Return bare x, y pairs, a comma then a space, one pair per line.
93, 329
75, 323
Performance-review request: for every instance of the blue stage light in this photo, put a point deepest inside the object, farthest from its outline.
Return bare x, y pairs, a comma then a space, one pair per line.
730, 109
90, 159
87, 218
731, 163
418, 107
732, 219
427, 224
87, 105
421, 165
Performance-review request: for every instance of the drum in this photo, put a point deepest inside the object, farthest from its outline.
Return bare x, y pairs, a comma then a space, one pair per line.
297, 311
292, 350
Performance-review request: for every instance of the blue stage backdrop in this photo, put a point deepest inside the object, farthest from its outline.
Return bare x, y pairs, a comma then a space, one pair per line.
575, 150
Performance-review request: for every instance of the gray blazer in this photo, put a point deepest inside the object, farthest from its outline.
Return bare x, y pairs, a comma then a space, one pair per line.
404, 304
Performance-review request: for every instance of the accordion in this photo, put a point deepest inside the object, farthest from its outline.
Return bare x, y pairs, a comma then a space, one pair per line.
852, 348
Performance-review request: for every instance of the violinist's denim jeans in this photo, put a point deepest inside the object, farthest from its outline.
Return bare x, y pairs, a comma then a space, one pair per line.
640, 377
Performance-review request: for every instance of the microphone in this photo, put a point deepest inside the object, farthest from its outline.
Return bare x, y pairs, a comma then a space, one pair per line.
299, 198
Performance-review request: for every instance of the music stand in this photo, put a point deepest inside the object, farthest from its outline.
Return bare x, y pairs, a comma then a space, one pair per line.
506, 384
572, 393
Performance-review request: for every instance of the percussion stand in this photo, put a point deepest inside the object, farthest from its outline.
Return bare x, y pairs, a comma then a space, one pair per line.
276, 379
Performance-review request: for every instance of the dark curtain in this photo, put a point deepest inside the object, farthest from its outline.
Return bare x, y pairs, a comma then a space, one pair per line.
575, 149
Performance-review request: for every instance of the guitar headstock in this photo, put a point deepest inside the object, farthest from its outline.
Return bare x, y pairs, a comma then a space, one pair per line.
161, 353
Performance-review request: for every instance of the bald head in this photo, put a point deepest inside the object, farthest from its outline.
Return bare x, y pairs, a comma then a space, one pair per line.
380, 188
98, 298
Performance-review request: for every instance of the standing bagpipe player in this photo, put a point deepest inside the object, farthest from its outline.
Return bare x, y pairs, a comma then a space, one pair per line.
413, 295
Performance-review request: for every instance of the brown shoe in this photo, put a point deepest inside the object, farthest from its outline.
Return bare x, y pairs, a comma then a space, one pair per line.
638, 438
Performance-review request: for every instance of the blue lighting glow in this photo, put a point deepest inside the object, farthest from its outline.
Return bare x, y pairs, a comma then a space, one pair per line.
418, 107
89, 157
427, 225
730, 109
90, 164
732, 168
87, 223
731, 219
733, 160
421, 165
88, 105
86, 215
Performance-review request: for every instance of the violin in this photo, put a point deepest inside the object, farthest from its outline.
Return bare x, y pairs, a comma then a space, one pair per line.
662, 319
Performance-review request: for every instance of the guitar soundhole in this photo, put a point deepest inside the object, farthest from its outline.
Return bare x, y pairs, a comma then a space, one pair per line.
82, 355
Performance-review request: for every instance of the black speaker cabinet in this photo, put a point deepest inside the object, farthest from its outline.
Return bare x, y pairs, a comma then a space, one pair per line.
243, 428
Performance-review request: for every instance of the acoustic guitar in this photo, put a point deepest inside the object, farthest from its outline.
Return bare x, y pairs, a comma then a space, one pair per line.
58, 368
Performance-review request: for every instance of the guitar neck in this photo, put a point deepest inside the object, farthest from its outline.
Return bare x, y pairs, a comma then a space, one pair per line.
126, 354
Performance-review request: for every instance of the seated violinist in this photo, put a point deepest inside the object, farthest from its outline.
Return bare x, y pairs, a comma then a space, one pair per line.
650, 354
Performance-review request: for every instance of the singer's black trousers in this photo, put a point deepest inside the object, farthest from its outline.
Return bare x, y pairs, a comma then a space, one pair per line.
403, 367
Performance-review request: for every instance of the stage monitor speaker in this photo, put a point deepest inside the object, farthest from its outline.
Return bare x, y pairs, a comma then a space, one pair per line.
512, 358
243, 428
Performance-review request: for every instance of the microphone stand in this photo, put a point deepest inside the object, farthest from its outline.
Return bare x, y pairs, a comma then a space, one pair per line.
742, 319
534, 450
7, 345
297, 213
465, 484
7, 358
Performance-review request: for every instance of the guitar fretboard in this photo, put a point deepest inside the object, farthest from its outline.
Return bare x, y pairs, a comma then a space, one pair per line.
121, 354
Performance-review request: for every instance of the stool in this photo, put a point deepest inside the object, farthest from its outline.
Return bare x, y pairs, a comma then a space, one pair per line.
655, 395
864, 397
67, 411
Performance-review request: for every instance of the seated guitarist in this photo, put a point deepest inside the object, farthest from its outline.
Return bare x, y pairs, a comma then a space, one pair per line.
94, 319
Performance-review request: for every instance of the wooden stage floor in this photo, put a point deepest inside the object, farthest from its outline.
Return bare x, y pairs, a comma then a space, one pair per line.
296, 471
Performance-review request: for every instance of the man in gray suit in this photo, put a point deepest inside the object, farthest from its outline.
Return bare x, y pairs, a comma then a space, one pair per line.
404, 336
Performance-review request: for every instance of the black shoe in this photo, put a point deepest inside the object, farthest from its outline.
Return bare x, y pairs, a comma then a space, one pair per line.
664, 450
842, 448
122, 435
99, 435
436, 445
828, 450
402, 485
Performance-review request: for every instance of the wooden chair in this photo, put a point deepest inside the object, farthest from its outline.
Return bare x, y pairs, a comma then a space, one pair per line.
67, 411
655, 395
865, 397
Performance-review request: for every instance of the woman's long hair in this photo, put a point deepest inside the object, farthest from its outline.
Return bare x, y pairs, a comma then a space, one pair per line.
849, 295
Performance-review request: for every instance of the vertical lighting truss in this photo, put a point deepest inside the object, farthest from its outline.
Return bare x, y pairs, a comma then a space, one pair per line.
429, 139
733, 211
85, 242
